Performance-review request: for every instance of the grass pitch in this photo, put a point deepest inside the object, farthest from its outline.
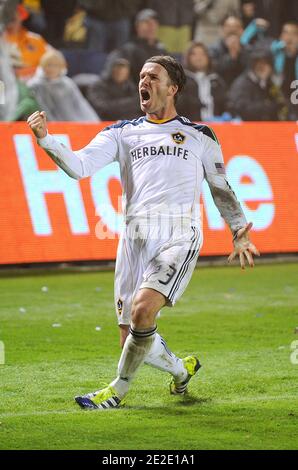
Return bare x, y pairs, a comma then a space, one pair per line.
61, 339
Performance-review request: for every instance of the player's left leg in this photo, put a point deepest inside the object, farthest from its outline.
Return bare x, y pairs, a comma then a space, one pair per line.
159, 356
146, 305
170, 273
130, 267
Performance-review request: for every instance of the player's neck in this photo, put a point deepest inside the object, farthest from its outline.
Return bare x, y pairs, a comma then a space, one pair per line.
165, 114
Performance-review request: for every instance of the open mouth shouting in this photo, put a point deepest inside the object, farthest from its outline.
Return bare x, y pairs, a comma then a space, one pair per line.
145, 96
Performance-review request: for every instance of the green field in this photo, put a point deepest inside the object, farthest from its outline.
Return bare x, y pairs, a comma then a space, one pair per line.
240, 324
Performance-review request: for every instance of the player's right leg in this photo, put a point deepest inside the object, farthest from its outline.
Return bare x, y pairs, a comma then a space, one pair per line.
140, 314
129, 277
125, 280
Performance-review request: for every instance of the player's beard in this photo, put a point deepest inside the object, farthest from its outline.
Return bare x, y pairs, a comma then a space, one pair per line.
146, 105
155, 104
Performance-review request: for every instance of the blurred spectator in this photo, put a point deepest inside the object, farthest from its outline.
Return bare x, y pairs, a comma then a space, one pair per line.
268, 18
175, 23
16, 101
257, 34
210, 15
36, 21
270, 10
7, 12
75, 31
229, 57
210, 89
114, 96
248, 12
144, 46
253, 96
284, 49
9, 90
56, 13
26, 104
57, 94
285, 53
189, 104
31, 46
108, 22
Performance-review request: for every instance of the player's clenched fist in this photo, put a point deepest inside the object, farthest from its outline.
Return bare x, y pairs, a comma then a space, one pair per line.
38, 123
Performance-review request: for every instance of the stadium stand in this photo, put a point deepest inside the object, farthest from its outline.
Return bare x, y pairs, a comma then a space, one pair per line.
93, 34
114, 95
57, 94
254, 96
211, 88
84, 61
175, 23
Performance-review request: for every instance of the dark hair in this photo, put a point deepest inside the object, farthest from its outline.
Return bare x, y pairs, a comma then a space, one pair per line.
258, 54
174, 69
189, 50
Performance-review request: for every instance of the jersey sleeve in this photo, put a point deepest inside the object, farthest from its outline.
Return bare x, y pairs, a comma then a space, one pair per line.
222, 193
101, 151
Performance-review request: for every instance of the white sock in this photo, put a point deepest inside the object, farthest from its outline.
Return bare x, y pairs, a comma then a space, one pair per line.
163, 359
136, 347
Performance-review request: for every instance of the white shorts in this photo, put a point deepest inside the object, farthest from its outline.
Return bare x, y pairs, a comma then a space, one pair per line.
165, 266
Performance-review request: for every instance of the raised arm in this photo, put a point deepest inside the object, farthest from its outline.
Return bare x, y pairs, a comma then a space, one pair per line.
226, 200
101, 151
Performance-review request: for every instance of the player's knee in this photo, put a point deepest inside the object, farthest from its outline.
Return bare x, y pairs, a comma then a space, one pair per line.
141, 315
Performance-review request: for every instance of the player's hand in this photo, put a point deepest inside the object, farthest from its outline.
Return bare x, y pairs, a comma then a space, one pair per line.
38, 124
244, 248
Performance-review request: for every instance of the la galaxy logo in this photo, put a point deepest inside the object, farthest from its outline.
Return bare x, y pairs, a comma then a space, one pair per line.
119, 306
178, 138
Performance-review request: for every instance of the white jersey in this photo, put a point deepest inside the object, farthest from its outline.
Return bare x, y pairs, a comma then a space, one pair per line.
162, 166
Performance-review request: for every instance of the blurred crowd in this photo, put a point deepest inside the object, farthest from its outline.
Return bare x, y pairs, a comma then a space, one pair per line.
79, 60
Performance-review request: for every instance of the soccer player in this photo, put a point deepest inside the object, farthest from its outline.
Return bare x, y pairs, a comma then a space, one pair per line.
163, 160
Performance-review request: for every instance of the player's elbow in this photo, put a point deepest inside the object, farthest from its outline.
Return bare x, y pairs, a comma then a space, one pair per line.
73, 175
77, 177
219, 191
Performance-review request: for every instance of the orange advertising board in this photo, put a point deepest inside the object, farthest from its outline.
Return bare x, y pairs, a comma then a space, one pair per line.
46, 216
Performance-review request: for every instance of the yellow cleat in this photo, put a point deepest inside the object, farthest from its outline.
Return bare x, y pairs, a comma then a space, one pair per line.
100, 400
192, 365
